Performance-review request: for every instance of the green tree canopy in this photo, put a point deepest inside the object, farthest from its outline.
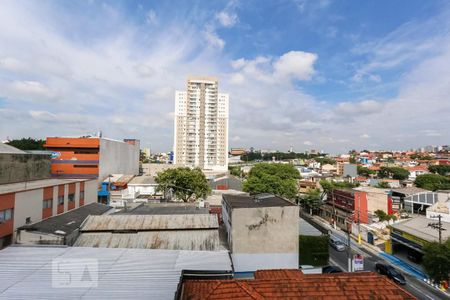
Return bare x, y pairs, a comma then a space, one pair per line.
325, 160
312, 199
432, 182
28, 144
363, 171
393, 172
187, 184
436, 260
440, 169
277, 179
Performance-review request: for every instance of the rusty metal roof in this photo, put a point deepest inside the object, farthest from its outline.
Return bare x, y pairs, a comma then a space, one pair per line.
194, 240
149, 222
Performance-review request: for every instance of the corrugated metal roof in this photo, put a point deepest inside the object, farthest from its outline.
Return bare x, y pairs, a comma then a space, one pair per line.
149, 222
26, 272
196, 240
142, 180
5, 148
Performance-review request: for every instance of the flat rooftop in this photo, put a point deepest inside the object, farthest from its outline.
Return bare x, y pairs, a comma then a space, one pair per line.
418, 226
254, 201
67, 222
35, 184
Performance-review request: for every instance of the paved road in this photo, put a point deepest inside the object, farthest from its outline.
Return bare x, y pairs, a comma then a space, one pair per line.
416, 287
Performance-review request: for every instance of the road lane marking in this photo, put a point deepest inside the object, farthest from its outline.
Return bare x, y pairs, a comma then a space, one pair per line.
337, 264
420, 291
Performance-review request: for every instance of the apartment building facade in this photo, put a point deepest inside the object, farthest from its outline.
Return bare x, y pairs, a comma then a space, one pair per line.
92, 157
23, 203
201, 125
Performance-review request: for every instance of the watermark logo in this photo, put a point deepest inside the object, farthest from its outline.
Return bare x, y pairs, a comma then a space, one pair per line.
74, 273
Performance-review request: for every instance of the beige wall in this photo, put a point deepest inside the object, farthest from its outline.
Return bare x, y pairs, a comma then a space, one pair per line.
28, 204
90, 191
265, 230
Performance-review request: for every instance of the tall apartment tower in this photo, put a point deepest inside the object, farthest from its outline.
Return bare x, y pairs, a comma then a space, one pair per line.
201, 125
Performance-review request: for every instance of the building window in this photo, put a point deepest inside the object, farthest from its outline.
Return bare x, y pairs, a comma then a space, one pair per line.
47, 203
28, 220
60, 200
71, 197
6, 215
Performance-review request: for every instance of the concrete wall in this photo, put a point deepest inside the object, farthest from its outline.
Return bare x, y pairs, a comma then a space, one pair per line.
28, 204
25, 237
23, 167
90, 191
264, 238
118, 158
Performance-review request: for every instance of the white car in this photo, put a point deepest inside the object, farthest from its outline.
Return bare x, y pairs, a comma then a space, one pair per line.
336, 244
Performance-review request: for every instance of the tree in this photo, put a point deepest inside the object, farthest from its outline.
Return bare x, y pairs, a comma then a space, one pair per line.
394, 172
325, 160
436, 261
28, 144
277, 179
187, 184
312, 200
235, 170
363, 171
440, 169
432, 182
383, 185
382, 216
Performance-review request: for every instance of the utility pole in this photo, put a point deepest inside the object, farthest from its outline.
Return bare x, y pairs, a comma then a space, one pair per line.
437, 226
349, 249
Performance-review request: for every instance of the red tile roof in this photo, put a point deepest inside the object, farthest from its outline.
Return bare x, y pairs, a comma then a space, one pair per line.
292, 284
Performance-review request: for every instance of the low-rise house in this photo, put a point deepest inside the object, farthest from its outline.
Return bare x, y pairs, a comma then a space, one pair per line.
262, 231
59, 230
417, 171
413, 199
344, 206
377, 199
292, 284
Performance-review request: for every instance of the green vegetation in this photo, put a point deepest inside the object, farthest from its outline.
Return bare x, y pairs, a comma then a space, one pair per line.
436, 261
312, 200
235, 170
441, 170
383, 185
28, 144
382, 216
186, 184
363, 171
325, 160
277, 179
420, 157
432, 182
143, 158
313, 250
393, 172
258, 156
328, 186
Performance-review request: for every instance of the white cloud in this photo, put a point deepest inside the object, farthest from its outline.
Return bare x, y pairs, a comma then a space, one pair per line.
212, 38
151, 17
365, 136
227, 19
296, 65
307, 143
359, 108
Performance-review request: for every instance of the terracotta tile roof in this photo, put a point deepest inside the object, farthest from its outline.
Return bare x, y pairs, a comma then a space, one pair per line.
292, 284
418, 168
360, 178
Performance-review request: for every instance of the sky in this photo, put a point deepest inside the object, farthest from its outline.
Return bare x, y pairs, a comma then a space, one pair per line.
331, 75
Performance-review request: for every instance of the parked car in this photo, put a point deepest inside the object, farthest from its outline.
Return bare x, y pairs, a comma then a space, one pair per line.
390, 272
336, 244
331, 269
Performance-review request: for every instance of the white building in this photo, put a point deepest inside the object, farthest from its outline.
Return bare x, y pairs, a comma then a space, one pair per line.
201, 125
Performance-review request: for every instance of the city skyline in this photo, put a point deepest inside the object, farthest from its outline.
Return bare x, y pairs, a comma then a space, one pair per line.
312, 74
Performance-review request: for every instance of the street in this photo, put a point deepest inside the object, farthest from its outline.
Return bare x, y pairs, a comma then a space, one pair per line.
413, 285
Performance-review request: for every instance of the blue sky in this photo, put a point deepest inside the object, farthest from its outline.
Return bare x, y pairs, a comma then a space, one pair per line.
312, 74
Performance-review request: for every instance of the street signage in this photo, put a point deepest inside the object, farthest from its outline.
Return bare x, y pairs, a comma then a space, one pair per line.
358, 262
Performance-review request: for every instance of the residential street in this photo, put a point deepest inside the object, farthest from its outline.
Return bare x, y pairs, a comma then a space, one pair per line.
415, 286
